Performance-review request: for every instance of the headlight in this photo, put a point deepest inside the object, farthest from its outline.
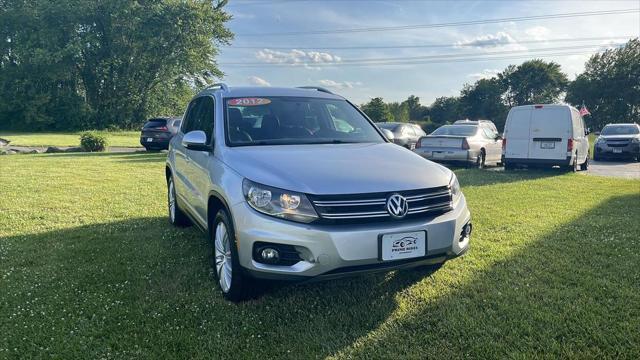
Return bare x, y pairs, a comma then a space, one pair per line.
279, 203
454, 185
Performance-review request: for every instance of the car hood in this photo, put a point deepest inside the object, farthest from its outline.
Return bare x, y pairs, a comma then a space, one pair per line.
618, 137
336, 168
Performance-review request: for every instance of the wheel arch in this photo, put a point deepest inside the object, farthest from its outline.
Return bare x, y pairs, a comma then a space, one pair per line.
215, 203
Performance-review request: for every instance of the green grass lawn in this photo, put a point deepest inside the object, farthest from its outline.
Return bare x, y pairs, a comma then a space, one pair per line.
116, 138
90, 268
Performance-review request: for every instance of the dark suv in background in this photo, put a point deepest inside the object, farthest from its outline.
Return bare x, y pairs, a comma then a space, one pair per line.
404, 134
157, 132
618, 141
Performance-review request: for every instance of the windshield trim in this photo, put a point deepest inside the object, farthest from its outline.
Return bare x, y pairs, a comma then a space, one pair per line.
228, 142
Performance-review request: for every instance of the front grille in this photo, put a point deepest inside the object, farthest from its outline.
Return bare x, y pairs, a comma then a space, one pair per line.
618, 143
372, 207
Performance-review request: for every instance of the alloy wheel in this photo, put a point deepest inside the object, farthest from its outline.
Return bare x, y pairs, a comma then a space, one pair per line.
223, 257
172, 201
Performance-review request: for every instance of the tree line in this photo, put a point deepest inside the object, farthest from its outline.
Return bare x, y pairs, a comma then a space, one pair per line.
86, 64
609, 87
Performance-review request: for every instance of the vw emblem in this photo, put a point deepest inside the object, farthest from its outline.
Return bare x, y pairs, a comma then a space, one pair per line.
397, 206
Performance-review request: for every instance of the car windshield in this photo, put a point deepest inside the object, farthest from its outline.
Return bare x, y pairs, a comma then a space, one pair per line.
620, 130
288, 120
456, 130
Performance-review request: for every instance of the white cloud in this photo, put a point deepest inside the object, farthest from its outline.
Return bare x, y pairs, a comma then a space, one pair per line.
538, 33
489, 40
485, 74
339, 84
254, 80
296, 57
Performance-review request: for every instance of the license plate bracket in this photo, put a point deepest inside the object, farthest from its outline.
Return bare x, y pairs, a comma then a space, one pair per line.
617, 151
150, 139
402, 245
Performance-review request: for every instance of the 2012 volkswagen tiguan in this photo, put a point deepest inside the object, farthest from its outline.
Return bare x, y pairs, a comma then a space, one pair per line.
299, 184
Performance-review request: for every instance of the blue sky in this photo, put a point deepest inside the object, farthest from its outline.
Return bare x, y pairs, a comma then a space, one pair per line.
303, 59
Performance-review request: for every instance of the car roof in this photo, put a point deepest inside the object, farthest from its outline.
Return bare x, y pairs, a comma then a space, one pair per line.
256, 91
544, 106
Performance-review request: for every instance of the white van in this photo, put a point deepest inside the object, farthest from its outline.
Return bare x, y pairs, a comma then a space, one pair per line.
545, 135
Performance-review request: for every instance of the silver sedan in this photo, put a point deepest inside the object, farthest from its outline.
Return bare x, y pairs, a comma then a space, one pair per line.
470, 144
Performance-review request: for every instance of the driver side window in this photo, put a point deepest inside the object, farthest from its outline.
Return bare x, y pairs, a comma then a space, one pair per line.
200, 117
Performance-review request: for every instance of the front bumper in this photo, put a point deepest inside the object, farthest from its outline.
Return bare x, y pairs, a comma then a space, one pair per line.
538, 162
447, 154
620, 152
330, 251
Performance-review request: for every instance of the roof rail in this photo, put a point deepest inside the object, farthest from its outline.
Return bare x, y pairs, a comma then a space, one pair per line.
318, 88
221, 86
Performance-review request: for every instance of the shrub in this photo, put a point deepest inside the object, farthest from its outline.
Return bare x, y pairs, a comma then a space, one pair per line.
92, 141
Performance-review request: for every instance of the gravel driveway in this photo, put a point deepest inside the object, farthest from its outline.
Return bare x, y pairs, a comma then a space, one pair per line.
629, 170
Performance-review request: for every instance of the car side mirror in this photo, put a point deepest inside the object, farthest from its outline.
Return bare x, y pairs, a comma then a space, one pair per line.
587, 131
196, 140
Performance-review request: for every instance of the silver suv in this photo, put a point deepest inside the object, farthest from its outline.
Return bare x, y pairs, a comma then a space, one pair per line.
299, 184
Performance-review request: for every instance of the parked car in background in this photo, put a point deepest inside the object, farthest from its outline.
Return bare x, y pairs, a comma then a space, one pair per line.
286, 192
618, 141
469, 144
545, 135
157, 132
483, 123
404, 134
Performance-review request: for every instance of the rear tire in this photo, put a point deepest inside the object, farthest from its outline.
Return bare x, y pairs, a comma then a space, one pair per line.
585, 165
480, 160
176, 216
234, 284
573, 167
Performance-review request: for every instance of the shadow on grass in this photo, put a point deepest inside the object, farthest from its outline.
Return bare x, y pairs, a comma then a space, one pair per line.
573, 292
112, 285
139, 156
141, 288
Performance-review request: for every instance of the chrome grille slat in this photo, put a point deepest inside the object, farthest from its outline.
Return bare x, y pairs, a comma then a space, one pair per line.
426, 197
429, 208
350, 203
360, 207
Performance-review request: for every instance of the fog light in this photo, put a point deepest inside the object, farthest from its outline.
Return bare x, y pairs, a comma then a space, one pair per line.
269, 255
466, 231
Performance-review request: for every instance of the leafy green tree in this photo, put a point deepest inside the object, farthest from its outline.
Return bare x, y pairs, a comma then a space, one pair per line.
484, 100
610, 86
416, 111
399, 111
445, 110
377, 110
88, 63
533, 82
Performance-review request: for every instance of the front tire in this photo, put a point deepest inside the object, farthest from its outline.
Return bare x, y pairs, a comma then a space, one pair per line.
235, 285
176, 216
